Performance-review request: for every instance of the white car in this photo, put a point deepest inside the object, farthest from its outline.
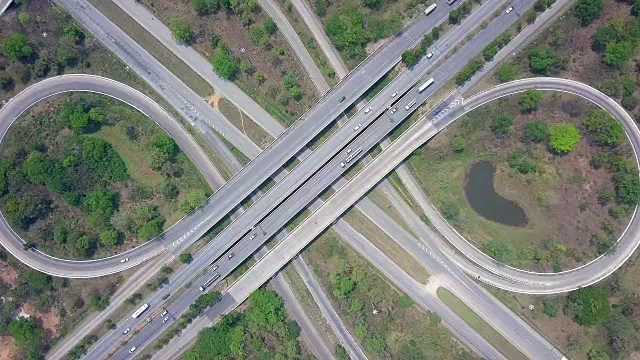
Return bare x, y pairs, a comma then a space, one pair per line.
341, 164
394, 94
126, 331
132, 350
356, 127
124, 260
252, 237
367, 110
165, 319
392, 111
348, 151
164, 313
509, 9
214, 268
430, 55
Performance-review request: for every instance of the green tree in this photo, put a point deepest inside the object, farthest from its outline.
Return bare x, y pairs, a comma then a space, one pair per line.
205, 7
622, 335
270, 26
186, 258
627, 188
604, 129
411, 57
588, 10
597, 355
15, 47
163, 150
563, 137
501, 125
151, 229
342, 286
530, 100
28, 336
543, 61
98, 303
193, 199
502, 251
36, 168
373, 4
36, 281
84, 246
549, 308
458, 144
100, 202
258, 35
110, 237
79, 121
266, 309
181, 31
506, 72
536, 131
224, 64
589, 305
617, 54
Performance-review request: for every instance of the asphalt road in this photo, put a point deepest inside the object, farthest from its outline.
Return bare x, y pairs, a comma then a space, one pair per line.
4, 4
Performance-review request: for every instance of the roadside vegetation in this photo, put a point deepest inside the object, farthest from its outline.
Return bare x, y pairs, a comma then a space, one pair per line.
355, 27
262, 330
400, 329
85, 176
244, 46
36, 309
574, 160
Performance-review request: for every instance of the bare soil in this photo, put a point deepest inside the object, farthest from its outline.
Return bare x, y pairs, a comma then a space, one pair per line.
8, 275
49, 320
8, 349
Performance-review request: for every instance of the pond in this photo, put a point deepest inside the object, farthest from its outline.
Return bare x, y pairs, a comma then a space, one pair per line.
485, 201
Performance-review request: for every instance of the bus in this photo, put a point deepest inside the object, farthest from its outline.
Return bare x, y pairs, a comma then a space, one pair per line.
410, 104
209, 282
430, 9
139, 312
449, 2
425, 85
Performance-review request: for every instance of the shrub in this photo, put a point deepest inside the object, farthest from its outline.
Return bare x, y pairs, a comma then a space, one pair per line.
588, 10
501, 125
186, 258
450, 211
270, 26
530, 100
604, 129
205, 7
15, 47
589, 306
563, 138
536, 131
549, 308
506, 72
458, 144
630, 102
224, 64
404, 302
467, 73
181, 31
627, 188
543, 61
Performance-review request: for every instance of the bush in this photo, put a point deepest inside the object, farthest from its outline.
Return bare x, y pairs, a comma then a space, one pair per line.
589, 306
205, 7
536, 131
588, 10
630, 102
563, 138
186, 258
450, 211
467, 73
549, 308
501, 125
224, 64
98, 303
604, 129
270, 26
193, 199
627, 188
530, 100
15, 47
181, 31
458, 144
502, 251
543, 61
506, 72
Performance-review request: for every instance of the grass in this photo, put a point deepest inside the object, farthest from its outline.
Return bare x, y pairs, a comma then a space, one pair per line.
380, 199
243, 122
406, 330
482, 327
387, 245
153, 46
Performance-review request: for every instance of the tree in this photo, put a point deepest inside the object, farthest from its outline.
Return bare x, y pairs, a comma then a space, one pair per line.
530, 100
193, 199
110, 237
270, 26
502, 251
151, 229
589, 306
410, 57
84, 246
36, 281
506, 72
617, 53
258, 35
373, 4
28, 336
604, 129
563, 137
100, 202
36, 168
543, 61
627, 188
622, 335
98, 303
458, 144
266, 308
223, 63
536, 131
163, 150
205, 7
15, 47
79, 121
181, 31
342, 286
597, 355
588, 10
501, 125
246, 66
186, 258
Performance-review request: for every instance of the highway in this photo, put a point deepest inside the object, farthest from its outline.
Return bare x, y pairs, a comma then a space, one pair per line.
4, 4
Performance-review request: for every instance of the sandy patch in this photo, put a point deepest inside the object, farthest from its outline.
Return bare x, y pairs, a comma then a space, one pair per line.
8, 275
8, 349
214, 100
50, 320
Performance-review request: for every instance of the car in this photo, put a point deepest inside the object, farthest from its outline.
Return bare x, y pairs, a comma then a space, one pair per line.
356, 127
149, 319
342, 164
392, 111
342, 98
230, 256
348, 151
132, 350
124, 260
367, 110
214, 268
165, 319
430, 55
164, 313
509, 9
394, 94
252, 236
126, 331
166, 296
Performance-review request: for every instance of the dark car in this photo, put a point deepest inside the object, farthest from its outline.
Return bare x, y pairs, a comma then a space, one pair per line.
342, 98
436, 111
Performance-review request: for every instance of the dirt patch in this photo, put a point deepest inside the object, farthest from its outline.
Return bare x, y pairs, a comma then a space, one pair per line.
8, 349
214, 100
8, 275
49, 320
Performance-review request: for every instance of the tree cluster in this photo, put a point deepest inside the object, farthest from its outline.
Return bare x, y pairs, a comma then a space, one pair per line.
492, 49
458, 14
412, 56
617, 41
468, 71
